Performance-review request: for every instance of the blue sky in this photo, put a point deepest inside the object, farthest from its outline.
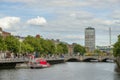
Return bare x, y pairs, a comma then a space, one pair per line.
61, 19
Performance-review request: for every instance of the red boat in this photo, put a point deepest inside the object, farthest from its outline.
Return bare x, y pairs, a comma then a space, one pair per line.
39, 63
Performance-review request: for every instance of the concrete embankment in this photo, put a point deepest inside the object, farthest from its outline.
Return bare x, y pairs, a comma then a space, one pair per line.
55, 61
7, 65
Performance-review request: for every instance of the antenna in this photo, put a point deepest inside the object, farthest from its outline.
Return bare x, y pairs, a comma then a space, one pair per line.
110, 36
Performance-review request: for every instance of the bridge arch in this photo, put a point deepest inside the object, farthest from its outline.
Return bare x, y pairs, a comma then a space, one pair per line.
89, 59
107, 60
73, 60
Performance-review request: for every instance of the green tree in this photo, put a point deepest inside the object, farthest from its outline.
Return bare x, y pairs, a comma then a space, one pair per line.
48, 46
34, 43
79, 49
62, 48
116, 49
59, 49
12, 43
3, 46
25, 47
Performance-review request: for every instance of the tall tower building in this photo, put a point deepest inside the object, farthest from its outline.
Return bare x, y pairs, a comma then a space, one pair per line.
90, 39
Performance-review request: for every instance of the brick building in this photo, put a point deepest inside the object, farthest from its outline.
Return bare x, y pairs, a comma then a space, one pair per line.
3, 33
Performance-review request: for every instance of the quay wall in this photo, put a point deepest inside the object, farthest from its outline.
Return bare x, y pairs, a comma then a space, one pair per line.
55, 61
7, 65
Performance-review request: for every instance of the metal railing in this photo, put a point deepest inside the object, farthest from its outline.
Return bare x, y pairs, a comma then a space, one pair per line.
13, 60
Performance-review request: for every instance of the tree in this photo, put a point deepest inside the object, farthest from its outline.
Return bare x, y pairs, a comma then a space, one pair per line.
79, 49
25, 47
59, 49
34, 43
48, 46
62, 48
116, 49
3, 46
12, 43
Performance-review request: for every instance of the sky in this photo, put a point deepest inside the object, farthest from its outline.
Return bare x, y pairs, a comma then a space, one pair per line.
62, 19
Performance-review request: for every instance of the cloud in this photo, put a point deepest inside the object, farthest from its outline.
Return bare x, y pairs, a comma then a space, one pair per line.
115, 14
84, 15
69, 3
73, 37
39, 21
8, 22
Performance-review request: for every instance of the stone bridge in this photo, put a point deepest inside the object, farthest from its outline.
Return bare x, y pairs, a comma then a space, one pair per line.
89, 58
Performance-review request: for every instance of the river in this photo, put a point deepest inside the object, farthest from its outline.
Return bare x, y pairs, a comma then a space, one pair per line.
66, 71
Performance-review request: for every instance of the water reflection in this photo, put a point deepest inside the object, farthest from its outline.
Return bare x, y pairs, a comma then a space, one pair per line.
67, 71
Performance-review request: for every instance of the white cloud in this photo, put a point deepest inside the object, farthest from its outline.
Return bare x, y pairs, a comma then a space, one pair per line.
8, 22
37, 21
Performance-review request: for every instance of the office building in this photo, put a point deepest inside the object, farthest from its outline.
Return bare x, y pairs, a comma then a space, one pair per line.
90, 39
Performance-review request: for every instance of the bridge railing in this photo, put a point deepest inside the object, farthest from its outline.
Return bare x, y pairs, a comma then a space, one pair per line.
14, 60
86, 57
54, 58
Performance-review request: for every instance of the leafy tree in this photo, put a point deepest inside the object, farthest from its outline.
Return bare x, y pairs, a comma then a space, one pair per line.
59, 49
12, 43
62, 48
34, 43
48, 46
116, 49
79, 49
3, 46
26, 48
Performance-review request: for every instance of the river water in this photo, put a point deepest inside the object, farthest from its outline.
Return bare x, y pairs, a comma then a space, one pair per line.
66, 71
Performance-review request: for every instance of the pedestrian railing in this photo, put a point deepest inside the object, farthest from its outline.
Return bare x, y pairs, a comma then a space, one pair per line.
14, 60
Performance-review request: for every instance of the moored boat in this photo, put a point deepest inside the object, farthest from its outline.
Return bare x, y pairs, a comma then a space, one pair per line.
38, 63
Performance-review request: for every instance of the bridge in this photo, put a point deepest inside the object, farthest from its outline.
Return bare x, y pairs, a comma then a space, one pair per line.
10, 63
89, 58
